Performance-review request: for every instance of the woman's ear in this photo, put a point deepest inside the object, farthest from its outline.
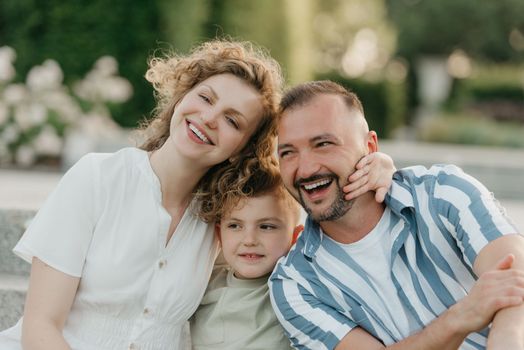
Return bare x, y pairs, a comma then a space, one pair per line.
296, 232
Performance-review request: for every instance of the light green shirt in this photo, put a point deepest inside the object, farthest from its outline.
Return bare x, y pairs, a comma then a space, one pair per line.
236, 314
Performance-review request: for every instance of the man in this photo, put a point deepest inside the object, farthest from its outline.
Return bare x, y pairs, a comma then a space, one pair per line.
429, 269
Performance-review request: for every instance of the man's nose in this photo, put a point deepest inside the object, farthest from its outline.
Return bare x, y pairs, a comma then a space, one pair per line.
307, 166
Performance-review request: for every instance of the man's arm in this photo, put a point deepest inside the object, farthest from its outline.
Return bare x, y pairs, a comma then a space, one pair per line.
311, 324
507, 330
500, 288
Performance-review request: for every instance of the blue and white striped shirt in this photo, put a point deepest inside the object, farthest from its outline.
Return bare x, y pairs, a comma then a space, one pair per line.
440, 220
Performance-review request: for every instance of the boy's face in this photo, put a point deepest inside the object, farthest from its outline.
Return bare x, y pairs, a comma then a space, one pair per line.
255, 234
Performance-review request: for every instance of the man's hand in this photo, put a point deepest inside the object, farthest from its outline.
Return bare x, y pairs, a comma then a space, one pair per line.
496, 289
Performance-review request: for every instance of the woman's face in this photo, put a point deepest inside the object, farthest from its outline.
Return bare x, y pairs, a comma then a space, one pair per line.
215, 119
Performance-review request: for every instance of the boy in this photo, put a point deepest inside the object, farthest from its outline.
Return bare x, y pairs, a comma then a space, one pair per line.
255, 232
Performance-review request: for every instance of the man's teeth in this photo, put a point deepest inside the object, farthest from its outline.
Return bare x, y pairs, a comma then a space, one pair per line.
198, 133
317, 184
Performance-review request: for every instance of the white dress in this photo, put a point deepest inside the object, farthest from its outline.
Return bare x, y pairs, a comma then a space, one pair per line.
105, 224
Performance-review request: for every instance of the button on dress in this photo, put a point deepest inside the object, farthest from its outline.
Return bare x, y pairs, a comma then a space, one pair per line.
105, 223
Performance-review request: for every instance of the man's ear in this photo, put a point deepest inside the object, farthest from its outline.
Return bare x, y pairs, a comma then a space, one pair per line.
296, 232
372, 141
217, 233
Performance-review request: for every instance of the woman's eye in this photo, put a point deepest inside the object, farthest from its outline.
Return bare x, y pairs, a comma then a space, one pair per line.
233, 226
232, 121
205, 98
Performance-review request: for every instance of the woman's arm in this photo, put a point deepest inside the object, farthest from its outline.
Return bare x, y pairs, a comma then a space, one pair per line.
49, 299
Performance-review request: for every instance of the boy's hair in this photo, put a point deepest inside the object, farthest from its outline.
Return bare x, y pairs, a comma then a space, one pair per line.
263, 180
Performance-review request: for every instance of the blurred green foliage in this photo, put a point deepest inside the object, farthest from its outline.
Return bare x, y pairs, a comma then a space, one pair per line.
495, 91
384, 101
479, 27
77, 33
472, 129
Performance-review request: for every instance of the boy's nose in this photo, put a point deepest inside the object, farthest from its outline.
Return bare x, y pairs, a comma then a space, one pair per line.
250, 238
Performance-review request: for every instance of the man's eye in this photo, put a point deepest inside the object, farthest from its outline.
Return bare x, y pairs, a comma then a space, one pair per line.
323, 144
283, 154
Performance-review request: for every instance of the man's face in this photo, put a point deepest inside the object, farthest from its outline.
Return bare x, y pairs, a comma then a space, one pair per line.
319, 144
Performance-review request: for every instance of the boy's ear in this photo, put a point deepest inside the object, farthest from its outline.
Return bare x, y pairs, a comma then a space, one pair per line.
217, 233
296, 232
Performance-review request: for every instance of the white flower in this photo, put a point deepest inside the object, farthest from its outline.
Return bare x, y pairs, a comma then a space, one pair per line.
10, 134
7, 57
29, 115
25, 155
15, 93
116, 90
48, 142
106, 66
101, 84
47, 76
67, 109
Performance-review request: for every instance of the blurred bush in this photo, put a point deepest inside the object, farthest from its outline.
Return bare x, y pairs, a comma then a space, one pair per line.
77, 33
36, 117
384, 101
495, 91
472, 129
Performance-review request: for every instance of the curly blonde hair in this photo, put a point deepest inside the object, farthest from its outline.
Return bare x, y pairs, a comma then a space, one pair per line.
173, 76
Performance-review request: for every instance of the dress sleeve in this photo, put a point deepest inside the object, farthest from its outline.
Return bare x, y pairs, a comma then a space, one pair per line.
308, 322
61, 232
473, 215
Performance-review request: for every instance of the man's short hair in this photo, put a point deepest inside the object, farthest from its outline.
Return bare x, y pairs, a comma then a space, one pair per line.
301, 94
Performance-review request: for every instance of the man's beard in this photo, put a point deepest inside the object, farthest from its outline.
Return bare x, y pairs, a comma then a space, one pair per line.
338, 208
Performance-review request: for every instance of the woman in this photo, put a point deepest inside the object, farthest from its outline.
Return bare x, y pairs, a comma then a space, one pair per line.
121, 251
123, 248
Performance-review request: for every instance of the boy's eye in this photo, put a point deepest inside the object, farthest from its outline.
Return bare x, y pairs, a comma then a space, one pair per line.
233, 226
268, 227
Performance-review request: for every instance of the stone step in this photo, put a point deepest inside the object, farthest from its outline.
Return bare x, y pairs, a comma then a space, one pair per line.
12, 225
12, 295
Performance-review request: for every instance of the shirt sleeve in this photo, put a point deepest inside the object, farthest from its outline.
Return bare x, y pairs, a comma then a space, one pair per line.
61, 232
473, 215
308, 322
